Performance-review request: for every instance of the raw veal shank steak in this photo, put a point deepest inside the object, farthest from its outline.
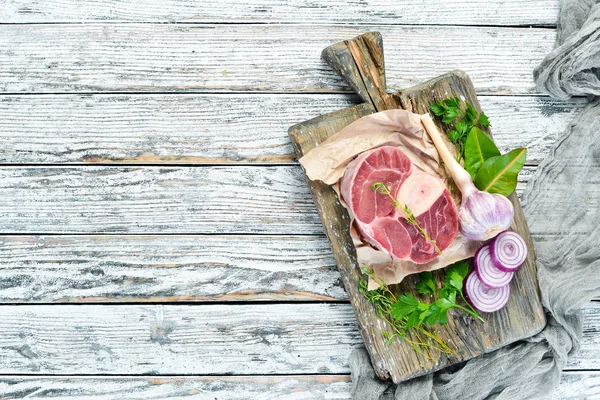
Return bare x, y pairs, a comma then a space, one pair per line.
383, 225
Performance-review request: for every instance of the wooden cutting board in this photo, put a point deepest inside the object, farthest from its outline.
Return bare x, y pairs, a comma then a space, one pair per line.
360, 61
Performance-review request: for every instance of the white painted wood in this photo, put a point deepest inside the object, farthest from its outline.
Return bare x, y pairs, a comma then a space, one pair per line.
156, 339
197, 339
244, 199
460, 12
282, 58
216, 128
576, 385
297, 387
166, 268
172, 268
573, 386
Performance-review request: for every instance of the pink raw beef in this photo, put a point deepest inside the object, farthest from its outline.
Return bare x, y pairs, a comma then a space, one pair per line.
383, 225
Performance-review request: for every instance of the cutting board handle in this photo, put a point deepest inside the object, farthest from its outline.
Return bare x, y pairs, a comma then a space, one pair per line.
360, 62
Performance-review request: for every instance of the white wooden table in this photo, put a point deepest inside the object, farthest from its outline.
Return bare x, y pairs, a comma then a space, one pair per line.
157, 237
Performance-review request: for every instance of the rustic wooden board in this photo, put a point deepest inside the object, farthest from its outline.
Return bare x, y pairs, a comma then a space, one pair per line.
459, 12
236, 339
214, 128
56, 58
160, 200
573, 386
361, 62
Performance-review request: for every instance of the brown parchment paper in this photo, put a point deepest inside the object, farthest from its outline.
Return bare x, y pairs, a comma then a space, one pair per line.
328, 161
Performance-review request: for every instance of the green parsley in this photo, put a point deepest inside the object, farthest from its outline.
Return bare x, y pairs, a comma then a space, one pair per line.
408, 314
464, 118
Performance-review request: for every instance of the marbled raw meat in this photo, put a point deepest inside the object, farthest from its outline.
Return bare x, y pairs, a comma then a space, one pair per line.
383, 225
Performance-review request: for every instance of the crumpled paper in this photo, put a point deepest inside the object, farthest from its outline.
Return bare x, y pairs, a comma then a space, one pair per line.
328, 161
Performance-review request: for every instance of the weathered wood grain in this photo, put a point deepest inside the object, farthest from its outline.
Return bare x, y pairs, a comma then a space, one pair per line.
216, 339
295, 387
197, 339
211, 199
460, 12
173, 268
166, 57
166, 268
573, 386
200, 129
298, 387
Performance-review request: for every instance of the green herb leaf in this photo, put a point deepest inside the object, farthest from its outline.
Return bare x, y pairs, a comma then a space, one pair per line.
438, 108
483, 120
405, 305
456, 274
432, 314
442, 307
445, 291
452, 297
461, 127
455, 280
427, 285
470, 112
454, 136
413, 320
478, 148
451, 114
406, 314
453, 102
499, 174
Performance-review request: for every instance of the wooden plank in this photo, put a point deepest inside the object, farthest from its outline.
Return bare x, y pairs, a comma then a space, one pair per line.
459, 12
94, 199
298, 387
197, 339
157, 339
573, 386
167, 57
202, 129
173, 268
166, 268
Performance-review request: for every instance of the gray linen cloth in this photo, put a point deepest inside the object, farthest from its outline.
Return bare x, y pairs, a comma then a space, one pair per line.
562, 206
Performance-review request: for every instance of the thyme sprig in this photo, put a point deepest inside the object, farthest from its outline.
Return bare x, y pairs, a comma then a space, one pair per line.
383, 189
410, 217
412, 319
420, 338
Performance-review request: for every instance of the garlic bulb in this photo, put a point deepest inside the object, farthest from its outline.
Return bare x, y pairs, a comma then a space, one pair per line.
482, 215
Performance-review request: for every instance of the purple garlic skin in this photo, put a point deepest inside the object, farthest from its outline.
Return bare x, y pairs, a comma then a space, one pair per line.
484, 215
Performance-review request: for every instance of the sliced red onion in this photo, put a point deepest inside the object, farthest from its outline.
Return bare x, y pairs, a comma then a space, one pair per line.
484, 298
487, 271
508, 251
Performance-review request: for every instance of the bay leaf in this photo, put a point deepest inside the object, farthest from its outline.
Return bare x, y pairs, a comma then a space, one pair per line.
499, 174
478, 148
